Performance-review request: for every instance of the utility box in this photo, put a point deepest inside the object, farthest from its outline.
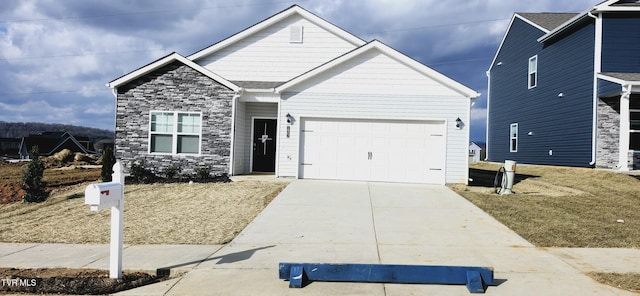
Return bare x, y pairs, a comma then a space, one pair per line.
509, 177
103, 196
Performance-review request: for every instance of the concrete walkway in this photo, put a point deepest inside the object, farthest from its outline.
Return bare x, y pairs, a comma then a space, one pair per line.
349, 222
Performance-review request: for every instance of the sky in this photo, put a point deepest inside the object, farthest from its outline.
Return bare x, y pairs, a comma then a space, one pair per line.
56, 56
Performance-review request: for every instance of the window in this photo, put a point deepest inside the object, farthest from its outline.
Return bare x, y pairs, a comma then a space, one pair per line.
174, 132
513, 137
634, 116
533, 71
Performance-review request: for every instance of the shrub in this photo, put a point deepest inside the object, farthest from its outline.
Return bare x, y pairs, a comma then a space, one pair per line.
203, 172
171, 171
32, 182
140, 172
108, 160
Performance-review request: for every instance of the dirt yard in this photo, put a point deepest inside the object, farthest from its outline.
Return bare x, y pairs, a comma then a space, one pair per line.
177, 213
198, 213
57, 175
565, 207
69, 281
562, 206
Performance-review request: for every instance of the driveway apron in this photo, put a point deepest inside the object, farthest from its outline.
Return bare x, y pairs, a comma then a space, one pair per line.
315, 221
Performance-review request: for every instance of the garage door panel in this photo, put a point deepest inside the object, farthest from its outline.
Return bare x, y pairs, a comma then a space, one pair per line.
373, 150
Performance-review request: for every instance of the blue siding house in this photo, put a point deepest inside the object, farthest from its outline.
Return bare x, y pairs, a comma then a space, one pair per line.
564, 89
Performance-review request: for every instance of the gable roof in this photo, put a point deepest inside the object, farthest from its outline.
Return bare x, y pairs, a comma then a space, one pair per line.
51, 142
295, 9
617, 5
165, 61
552, 24
606, 6
474, 145
269, 85
547, 20
377, 45
520, 16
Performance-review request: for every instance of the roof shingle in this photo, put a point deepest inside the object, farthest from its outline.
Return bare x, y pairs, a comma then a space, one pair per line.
548, 20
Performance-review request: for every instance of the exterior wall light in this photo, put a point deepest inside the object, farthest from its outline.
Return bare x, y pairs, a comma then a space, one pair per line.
459, 123
289, 123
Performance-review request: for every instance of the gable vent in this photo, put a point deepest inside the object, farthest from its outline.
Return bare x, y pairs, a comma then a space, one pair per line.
296, 34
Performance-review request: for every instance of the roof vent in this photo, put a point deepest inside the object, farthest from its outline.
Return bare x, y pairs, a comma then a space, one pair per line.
296, 34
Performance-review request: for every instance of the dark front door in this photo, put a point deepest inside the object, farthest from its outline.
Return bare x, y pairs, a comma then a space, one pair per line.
264, 145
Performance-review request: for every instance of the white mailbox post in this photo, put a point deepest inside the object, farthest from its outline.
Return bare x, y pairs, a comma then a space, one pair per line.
110, 195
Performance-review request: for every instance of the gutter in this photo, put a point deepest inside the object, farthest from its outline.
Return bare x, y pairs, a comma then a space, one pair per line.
568, 24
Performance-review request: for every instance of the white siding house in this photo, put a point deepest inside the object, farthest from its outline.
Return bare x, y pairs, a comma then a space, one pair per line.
474, 152
313, 101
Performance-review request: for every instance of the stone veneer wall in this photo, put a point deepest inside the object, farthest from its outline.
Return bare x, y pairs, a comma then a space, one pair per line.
175, 87
608, 132
634, 160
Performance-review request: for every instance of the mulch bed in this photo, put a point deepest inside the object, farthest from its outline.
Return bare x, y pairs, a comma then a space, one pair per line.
70, 281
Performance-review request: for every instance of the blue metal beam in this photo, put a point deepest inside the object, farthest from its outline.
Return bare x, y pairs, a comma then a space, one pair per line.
475, 278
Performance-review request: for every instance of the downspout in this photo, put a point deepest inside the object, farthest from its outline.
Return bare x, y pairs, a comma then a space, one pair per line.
234, 105
597, 67
472, 101
486, 135
279, 132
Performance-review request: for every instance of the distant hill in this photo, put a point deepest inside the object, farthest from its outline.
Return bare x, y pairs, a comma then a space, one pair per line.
23, 129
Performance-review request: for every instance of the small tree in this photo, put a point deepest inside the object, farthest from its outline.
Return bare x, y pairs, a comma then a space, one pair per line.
108, 160
32, 182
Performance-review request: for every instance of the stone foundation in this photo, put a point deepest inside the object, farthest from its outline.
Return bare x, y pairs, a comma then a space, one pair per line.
608, 136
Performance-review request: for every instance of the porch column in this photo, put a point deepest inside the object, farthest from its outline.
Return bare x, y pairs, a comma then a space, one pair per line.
625, 128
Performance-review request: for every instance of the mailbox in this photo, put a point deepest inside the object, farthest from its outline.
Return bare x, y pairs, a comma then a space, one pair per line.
103, 195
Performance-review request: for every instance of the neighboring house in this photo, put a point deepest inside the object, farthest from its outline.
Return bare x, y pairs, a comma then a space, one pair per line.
9, 147
564, 89
50, 143
474, 152
299, 97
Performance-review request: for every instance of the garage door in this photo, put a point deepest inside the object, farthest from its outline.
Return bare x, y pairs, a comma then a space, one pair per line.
373, 150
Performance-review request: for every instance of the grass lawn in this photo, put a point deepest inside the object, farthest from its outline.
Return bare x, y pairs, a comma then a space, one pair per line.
207, 213
626, 281
565, 207
562, 207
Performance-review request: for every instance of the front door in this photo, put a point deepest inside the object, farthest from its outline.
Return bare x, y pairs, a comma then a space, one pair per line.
264, 145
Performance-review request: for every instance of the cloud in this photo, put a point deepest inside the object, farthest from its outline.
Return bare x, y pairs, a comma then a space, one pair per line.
99, 109
56, 56
478, 124
36, 111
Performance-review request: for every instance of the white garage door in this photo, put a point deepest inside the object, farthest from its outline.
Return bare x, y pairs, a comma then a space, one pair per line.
373, 150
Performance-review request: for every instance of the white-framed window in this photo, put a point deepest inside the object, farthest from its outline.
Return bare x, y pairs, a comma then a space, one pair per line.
175, 132
533, 71
513, 137
634, 125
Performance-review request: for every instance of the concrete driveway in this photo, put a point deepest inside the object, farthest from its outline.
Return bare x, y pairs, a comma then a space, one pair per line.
361, 222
